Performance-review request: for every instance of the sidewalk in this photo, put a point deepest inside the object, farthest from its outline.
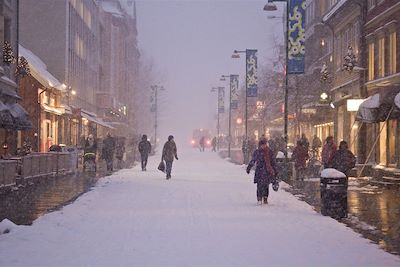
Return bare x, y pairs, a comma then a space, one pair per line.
373, 211
201, 217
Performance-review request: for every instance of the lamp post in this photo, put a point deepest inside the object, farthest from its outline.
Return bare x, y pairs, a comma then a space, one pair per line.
155, 89
270, 6
223, 78
246, 144
213, 90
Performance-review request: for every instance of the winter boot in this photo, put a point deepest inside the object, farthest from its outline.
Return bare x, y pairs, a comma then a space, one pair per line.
259, 200
265, 200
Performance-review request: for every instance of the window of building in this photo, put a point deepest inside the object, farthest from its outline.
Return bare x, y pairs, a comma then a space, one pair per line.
79, 47
371, 4
322, 7
371, 61
381, 57
392, 52
392, 129
332, 3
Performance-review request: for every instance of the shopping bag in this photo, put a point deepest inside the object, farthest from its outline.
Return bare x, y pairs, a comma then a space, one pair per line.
275, 184
161, 166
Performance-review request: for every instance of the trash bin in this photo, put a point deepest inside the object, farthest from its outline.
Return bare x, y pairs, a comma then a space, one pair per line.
333, 193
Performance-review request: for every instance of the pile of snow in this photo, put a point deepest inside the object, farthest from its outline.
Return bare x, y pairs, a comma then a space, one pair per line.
6, 226
332, 173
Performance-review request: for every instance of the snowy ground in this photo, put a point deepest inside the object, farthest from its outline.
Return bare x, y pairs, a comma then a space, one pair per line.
205, 216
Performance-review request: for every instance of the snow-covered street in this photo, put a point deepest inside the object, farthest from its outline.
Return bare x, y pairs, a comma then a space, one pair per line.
206, 215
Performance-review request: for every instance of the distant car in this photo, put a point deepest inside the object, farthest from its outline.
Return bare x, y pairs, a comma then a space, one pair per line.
198, 134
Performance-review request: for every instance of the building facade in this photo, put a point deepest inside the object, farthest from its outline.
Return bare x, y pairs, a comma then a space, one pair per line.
383, 79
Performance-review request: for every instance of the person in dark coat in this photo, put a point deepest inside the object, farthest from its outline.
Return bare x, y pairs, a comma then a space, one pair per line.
214, 144
202, 143
265, 172
327, 151
169, 153
108, 151
343, 159
300, 156
144, 150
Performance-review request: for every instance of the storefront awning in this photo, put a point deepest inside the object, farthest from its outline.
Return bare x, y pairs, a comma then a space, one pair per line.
397, 100
20, 117
53, 110
91, 117
379, 107
368, 110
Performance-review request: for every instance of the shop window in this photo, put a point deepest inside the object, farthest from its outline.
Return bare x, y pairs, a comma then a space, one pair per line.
392, 52
381, 57
371, 61
392, 129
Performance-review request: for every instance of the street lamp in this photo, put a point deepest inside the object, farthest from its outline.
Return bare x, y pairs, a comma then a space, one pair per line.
155, 89
216, 90
223, 78
236, 54
270, 6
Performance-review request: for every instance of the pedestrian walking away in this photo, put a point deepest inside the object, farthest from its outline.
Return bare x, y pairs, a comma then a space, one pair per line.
144, 150
300, 156
108, 151
214, 144
343, 159
316, 145
169, 154
202, 143
265, 172
327, 151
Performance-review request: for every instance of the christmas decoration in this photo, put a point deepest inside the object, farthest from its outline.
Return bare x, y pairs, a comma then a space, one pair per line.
8, 54
22, 67
324, 74
349, 60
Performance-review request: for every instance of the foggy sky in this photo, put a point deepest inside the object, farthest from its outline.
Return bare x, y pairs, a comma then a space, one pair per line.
190, 44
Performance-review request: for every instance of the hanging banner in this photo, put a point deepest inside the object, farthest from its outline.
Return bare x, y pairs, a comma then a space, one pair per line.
251, 72
296, 36
234, 91
221, 102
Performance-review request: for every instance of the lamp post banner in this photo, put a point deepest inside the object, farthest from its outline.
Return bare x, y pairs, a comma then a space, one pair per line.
296, 36
251, 72
221, 97
234, 91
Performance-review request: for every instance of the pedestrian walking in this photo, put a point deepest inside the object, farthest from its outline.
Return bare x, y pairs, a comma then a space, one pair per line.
316, 144
304, 141
343, 159
327, 151
202, 143
108, 151
168, 154
119, 152
144, 150
214, 144
300, 156
265, 171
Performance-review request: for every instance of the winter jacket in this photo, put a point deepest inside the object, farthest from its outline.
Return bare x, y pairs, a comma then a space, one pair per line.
327, 153
169, 151
144, 147
108, 148
300, 155
343, 160
262, 175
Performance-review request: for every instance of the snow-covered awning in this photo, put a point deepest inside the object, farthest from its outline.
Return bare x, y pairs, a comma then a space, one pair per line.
20, 117
39, 69
397, 100
93, 118
368, 110
380, 107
